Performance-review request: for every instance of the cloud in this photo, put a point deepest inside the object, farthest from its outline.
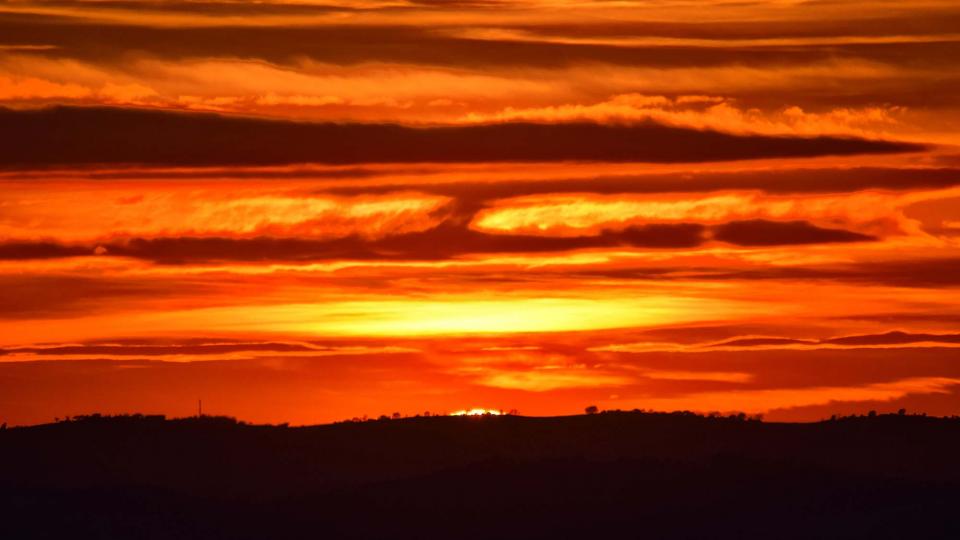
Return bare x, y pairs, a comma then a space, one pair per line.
711, 112
547, 380
531, 370
761, 219
33, 88
62, 136
771, 233
112, 213
189, 351
213, 9
40, 250
418, 63
531, 204
60, 295
926, 21
773, 180
892, 340
442, 242
926, 272
718, 376
384, 90
409, 37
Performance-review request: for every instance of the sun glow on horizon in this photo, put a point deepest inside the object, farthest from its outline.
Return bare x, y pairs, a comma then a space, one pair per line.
477, 412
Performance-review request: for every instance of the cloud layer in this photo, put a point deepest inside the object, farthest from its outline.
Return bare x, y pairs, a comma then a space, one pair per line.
314, 210
67, 136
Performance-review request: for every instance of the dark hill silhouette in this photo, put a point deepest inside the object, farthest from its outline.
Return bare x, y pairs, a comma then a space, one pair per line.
614, 474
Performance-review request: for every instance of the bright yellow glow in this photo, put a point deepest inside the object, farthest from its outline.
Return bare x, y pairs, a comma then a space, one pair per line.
454, 315
476, 412
401, 318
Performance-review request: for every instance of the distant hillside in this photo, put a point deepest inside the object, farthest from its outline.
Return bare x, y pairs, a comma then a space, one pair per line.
625, 475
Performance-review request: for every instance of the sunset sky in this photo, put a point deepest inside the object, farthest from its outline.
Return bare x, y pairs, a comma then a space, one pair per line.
311, 210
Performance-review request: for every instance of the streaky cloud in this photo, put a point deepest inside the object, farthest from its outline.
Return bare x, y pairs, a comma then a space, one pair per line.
82, 136
761, 232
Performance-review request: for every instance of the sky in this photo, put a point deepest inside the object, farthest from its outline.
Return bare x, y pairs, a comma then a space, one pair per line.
307, 211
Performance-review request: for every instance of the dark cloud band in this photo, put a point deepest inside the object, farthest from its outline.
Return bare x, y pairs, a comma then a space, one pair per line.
449, 240
72, 136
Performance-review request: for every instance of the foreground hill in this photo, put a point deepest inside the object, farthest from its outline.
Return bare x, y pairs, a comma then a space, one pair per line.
626, 475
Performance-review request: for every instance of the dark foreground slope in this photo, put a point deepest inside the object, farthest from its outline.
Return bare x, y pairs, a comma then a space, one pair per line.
612, 475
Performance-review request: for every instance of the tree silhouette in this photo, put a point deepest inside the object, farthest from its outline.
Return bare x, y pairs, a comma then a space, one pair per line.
592, 409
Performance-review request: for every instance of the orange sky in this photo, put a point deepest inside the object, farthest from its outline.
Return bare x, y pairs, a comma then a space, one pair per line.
309, 211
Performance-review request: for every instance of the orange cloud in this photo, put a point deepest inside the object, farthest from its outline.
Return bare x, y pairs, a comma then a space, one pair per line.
890, 340
718, 376
715, 113
206, 352
553, 379
31, 88
97, 213
529, 204
281, 310
877, 213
